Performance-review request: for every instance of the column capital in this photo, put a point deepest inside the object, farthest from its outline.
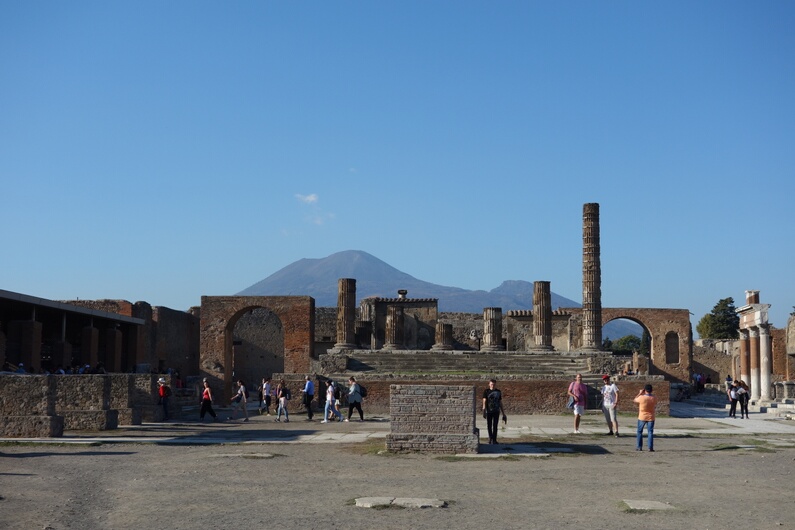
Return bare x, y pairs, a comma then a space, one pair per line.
753, 332
743, 334
764, 329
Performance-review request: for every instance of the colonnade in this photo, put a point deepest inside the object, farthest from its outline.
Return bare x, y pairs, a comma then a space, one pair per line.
756, 353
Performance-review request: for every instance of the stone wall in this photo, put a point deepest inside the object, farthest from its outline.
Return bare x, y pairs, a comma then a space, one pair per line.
27, 407
176, 341
521, 395
432, 419
713, 363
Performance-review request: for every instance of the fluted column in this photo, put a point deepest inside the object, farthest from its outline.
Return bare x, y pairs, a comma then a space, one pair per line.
745, 373
394, 328
346, 313
542, 316
492, 329
765, 364
444, 337
591, 279
754, 380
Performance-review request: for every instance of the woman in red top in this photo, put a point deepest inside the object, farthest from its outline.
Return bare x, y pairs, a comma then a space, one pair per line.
207, 403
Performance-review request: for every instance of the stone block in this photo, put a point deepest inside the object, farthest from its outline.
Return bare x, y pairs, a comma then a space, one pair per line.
90, 420
31, 426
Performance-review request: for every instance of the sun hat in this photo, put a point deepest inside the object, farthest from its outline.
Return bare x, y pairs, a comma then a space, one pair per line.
162, 380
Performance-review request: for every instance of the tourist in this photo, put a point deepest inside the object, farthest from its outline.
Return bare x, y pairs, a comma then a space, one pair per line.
646, 405
331, 393
492, 408
282, 395
266, 396
354, 399
164, 391
308, 395
240, 400
732, 394
579, 392
609, 405
728, 381
207, 402
743, 396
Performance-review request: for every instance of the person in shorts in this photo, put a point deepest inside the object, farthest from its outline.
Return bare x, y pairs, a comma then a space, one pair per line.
579, 392
239, 401
610, 404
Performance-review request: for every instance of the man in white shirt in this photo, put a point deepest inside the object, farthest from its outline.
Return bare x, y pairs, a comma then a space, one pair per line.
609, 405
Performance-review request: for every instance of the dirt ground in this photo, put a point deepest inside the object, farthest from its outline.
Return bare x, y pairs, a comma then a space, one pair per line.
711, 481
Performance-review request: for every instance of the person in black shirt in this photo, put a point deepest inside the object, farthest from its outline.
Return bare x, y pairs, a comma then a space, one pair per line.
492, 408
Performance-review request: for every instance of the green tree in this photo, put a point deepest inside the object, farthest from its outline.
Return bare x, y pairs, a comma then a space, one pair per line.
627, 344
645, 343
721, 323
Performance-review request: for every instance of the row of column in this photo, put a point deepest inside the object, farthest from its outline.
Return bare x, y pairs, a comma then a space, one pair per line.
492, 322
756, 361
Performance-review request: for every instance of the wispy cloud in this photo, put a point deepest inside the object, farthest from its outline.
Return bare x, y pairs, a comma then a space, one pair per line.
312, 198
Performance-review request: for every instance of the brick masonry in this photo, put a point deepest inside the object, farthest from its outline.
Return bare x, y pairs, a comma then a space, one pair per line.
432, 419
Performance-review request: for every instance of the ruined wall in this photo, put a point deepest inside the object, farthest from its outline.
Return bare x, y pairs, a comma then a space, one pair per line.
27, 407
432, 419
176, 341
783, 365
258, 345
713, 364
467, 327
518, 331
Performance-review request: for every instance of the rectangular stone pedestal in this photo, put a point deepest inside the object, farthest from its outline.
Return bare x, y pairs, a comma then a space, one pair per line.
31, 426
90, 420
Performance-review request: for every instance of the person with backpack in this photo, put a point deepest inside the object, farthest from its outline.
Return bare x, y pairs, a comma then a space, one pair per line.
240, 400
164, 391
492, 408
354, 399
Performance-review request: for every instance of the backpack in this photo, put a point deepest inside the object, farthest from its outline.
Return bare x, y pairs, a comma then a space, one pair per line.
337, 392
167, 391
362, 391
247, 394
287, 395
493, 401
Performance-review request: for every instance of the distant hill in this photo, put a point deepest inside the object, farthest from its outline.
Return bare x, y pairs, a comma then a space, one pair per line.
318, 278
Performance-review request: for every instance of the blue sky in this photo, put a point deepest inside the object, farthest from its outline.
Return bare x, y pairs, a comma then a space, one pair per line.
161, 151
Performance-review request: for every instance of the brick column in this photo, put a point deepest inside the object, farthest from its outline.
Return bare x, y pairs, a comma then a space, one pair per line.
542, 316
754, 381
492, 329
346, 314
765, 364
394, 328
89, 346
745, 372
444, 337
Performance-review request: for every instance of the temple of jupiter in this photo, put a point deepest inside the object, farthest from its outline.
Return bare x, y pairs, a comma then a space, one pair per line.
492, 329
591, 279
756, 354
346, 314
542, 316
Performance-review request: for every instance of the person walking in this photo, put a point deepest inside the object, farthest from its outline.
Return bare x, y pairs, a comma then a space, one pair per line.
282, 396
732, 394
610, 405
207, 403
266, 396
646, 408
492, 408
164, 391
308, 397
331, 396
579, 392
240, 400
354, 399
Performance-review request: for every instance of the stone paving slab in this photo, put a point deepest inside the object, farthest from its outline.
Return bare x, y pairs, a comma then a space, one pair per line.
372, 502
409, 502
647, 505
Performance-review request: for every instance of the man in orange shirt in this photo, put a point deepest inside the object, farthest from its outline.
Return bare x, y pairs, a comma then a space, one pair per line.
646, 405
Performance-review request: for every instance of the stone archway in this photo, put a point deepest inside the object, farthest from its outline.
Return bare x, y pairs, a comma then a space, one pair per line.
219, 314
671, 338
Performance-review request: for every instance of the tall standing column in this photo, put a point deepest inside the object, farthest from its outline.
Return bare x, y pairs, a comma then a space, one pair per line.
754, 381
591, 279
492, 329
745, 372
346, 314
394, 328
765, 364
444, 337
542, 315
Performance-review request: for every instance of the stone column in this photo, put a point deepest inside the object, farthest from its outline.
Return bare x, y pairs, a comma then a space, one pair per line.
89, 346
745, 373
444, 337
346, 314
591, 279
542, 316
113, 342
754, 380
765, 364
492, 329
394, 328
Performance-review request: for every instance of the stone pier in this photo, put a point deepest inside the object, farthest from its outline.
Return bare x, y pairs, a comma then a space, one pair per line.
394, 328
444, 337
542, 316
346, 314
492, 329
